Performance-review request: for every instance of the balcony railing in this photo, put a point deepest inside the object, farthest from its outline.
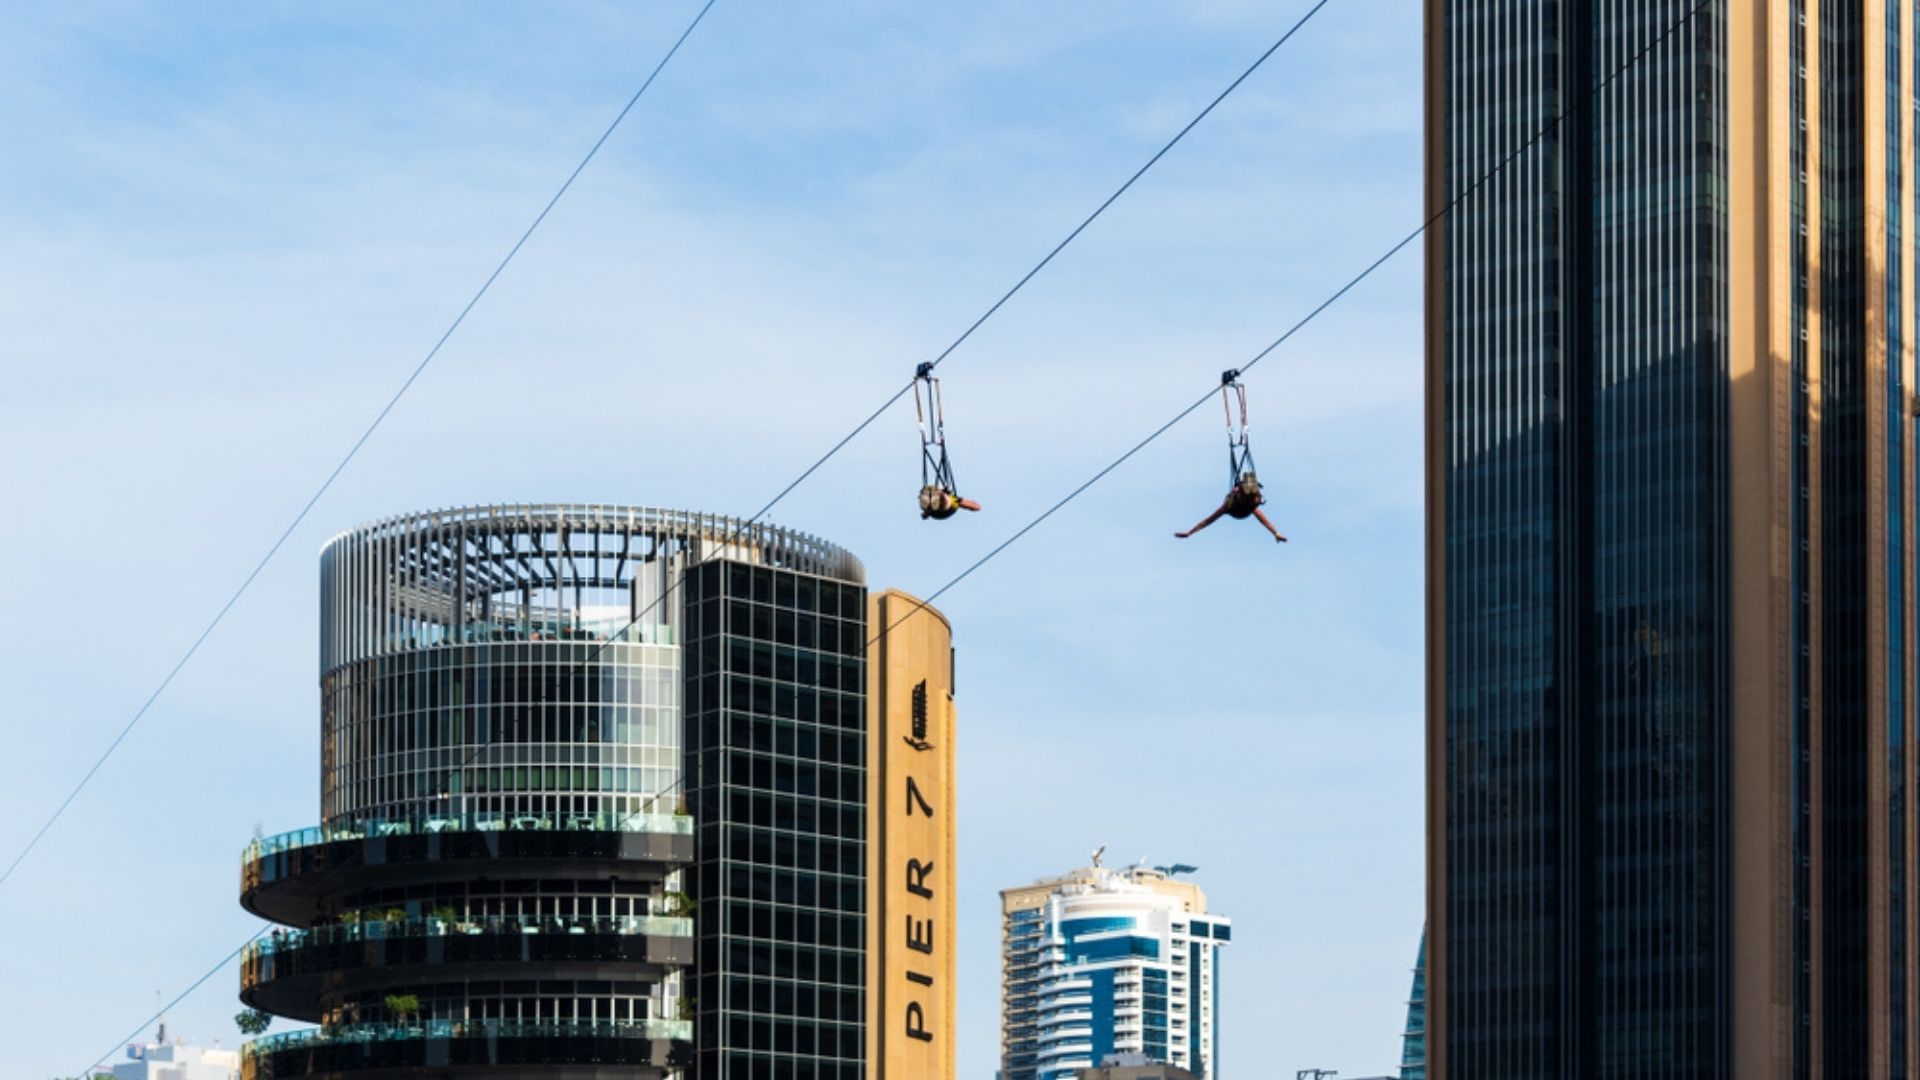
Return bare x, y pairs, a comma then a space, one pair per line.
678, 1030
388, 929
547, 629
604, 821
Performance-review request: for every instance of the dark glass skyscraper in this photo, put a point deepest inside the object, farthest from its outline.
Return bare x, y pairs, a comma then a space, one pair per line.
1670, 619
777, 781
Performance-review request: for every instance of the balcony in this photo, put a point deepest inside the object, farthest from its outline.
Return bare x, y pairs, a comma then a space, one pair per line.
1077, 1034
555, 1049
477, 822
284, 878
286, 973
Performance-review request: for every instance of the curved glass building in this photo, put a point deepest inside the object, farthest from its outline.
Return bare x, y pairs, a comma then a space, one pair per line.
526, 711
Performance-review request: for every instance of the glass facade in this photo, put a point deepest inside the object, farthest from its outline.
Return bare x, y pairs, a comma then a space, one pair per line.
1801, 694
776, 760
537, 729
1413, 1047
1583, 411
1845, 698
515, 734
1596, 532
1893, 512
486, 1047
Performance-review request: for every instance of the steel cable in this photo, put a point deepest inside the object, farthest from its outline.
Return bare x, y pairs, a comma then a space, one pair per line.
354, 450
1444, 211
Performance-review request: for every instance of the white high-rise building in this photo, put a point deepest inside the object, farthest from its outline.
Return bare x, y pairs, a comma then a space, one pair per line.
1106, 961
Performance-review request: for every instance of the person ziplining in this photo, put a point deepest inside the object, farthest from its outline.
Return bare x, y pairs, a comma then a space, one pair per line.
1243, 492
939, 497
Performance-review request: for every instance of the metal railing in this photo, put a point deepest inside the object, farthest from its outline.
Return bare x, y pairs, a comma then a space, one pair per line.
602, 821
547, 630
681, 1030
378, 929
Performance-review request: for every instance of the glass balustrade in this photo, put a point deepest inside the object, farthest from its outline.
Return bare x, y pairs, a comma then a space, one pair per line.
626, 631
681, 1030
604, 821
379, 929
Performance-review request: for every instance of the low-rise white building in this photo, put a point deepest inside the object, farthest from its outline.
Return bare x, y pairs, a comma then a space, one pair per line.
175, 1060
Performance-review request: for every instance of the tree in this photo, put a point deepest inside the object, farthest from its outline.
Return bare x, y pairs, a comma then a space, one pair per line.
403, 1007
253, 1022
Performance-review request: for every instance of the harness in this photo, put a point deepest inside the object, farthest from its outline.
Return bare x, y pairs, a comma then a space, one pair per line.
1239, 453
1243, 492
939, 497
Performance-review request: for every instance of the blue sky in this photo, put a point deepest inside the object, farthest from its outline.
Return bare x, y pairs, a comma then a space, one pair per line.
227, 231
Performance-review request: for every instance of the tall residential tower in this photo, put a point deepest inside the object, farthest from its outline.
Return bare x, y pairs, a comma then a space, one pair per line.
1104, 961
1671, 611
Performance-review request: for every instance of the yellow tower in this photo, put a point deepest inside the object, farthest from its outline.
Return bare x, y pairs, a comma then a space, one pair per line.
911, 837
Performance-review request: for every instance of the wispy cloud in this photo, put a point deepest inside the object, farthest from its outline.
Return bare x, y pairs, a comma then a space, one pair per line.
227, 233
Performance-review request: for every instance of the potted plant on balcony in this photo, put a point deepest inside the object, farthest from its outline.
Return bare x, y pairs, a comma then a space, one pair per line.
404, 1008
253, 1022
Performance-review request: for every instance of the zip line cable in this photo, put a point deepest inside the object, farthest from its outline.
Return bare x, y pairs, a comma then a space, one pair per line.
354, 450
182, 996
1122, 189
1353, 282
811, 469
1452, 205
740, 530
771, 503
1048, 258
648, 804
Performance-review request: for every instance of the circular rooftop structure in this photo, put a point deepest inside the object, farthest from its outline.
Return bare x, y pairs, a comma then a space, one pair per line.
524, 571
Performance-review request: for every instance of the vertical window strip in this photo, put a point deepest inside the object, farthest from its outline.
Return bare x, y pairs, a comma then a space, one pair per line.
1894, 660
1800, 582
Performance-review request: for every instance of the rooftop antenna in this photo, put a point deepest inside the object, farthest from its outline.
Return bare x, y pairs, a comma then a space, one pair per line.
161, 1012
1101, 850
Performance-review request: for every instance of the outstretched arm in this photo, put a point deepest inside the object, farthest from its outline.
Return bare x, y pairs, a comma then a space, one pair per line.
966, 504
1261, 514
1204, 522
